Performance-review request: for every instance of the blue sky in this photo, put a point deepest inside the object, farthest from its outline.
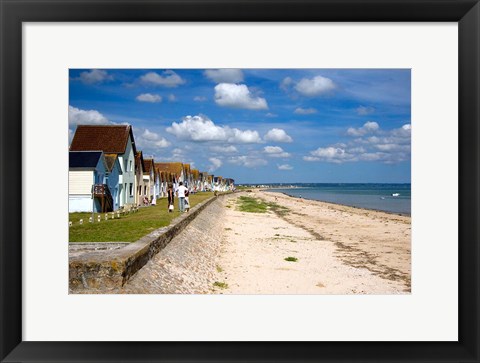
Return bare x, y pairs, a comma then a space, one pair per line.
259, 125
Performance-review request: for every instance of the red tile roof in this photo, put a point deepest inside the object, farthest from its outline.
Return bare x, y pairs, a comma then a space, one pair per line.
111, 139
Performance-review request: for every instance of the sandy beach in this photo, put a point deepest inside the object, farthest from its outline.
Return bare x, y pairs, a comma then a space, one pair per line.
336, 250
339, 249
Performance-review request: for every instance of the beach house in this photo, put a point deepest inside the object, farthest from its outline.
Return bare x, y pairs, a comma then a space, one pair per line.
175, 170
149, 180
162, 180
211, 182
187, 175
195, 180
111, 139
86, 172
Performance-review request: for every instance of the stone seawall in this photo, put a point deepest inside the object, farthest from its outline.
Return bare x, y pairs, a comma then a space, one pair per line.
112, 268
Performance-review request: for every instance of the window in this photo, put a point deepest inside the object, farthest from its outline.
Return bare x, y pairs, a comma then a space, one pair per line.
131, 189
131, 166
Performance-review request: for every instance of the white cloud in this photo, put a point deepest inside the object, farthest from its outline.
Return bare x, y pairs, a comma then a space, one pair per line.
77, 116
148, 97
238, 96
150, 140
284, 167
363, 110
201, 128
305, 111
224, 149
199, 98
368, 127
247, 161
245, 137
167, 79
172, 98
269, 114
224, 75
329, 154
215, 163
275, 152
277, 135
387, 146
95, 76
315, 86
286, 83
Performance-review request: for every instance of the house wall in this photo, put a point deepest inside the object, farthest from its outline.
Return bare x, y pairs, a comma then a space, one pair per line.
140, 186
152, 184
80, 182
127, 161
79, 203
146, 187
113, 181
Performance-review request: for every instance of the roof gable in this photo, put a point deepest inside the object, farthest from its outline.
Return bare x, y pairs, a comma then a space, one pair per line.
110, 160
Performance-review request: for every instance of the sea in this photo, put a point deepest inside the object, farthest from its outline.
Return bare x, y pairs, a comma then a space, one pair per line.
393, 198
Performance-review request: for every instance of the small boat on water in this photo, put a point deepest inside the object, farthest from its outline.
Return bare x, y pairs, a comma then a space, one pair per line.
395, 194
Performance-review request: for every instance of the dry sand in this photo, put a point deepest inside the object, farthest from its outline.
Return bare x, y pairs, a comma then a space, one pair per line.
339, 249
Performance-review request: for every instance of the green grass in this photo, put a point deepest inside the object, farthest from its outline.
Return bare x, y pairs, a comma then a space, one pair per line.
253, 205
291, 259
221, 285
130, 227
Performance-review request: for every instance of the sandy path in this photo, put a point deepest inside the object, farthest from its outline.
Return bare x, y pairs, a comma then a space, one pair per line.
340, 250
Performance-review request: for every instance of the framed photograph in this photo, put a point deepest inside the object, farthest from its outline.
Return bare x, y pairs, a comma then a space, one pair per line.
247, 181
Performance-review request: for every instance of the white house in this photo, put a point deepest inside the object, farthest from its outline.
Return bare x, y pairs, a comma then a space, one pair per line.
87, 169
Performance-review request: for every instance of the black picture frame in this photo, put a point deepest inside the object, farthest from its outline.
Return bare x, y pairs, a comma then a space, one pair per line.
14, 12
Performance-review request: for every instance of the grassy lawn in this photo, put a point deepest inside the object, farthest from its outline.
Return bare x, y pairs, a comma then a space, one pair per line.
130, 227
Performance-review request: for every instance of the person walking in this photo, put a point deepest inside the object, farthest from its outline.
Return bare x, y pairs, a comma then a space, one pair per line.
187, 201
171, 197
181, 197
